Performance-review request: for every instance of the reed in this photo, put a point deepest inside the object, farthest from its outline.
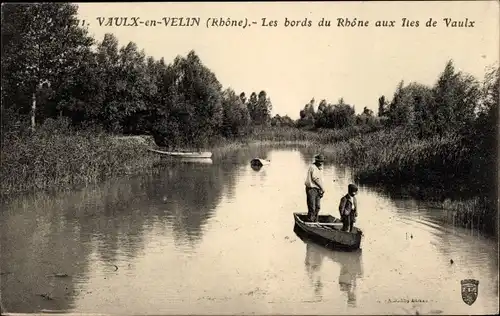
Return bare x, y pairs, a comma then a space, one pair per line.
57, 157
309, 136
396, 156
438, 168
477, 213
380, 157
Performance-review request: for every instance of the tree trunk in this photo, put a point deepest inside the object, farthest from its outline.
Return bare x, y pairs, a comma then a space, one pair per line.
33, 110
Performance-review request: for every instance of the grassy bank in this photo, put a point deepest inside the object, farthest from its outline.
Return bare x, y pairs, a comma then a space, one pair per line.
435, 169
55, 157
311, 136
474, 213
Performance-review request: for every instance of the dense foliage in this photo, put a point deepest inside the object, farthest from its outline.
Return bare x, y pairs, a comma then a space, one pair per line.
51, 67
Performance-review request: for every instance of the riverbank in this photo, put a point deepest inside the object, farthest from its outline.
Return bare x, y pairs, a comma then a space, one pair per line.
440, 170
433, 170
55, 157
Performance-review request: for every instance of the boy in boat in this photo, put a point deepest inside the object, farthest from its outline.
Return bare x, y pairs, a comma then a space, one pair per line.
348, 208
314, 187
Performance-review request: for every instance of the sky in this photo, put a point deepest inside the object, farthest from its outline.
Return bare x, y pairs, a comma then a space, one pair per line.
295, 64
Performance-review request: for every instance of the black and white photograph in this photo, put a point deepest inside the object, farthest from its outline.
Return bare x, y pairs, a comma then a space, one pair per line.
250, 158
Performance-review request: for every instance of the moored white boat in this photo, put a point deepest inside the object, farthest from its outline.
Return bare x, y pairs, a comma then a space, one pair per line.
180, 154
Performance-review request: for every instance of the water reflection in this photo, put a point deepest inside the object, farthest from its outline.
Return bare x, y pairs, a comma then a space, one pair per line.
186, 196
144, 244
350, 266
45, 234
313, 262
350, 271
256, 167
36, 245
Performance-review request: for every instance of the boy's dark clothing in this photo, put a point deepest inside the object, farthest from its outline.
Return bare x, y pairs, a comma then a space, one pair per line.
348, 211
348, 221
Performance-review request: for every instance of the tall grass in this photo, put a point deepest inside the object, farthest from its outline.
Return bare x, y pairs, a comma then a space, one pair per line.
433, 169
397, 157
309, 136
474, 213
389, 157
55, 156
438, 169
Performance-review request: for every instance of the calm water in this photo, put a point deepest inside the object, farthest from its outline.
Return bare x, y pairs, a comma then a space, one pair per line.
197, 238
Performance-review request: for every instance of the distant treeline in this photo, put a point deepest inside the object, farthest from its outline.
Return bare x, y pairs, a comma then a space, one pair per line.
51, 67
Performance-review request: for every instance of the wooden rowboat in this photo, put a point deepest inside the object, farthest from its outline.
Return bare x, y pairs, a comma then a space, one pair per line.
180, 154
329, 229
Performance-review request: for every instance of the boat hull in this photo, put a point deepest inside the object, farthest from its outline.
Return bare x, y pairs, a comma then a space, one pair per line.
328, 230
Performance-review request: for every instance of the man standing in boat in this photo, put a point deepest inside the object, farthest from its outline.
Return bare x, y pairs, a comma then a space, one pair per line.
348, 208
314, 187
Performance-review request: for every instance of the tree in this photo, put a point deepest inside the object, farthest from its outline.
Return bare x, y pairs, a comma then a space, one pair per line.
42, 45
421, 102
321, 116
367, 111
107, 70
236, 119
382, 104
281, 121
243, 98
397, 113
252, 106
134, 86
342, 115
307, 115
193, 102
263, 109
483, 138
457, 97
79, 98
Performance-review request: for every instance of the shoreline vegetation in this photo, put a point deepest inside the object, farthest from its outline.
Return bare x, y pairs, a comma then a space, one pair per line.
70, 113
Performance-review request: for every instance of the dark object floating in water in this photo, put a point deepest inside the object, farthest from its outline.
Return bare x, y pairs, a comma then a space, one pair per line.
257, 163
329, 229
451, 261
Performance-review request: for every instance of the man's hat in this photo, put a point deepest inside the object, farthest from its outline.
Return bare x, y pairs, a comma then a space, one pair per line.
319, 158
352, 188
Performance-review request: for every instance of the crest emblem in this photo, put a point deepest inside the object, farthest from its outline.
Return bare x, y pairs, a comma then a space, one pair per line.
469, 290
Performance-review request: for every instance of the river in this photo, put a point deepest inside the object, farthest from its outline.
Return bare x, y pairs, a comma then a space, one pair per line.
217, 238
